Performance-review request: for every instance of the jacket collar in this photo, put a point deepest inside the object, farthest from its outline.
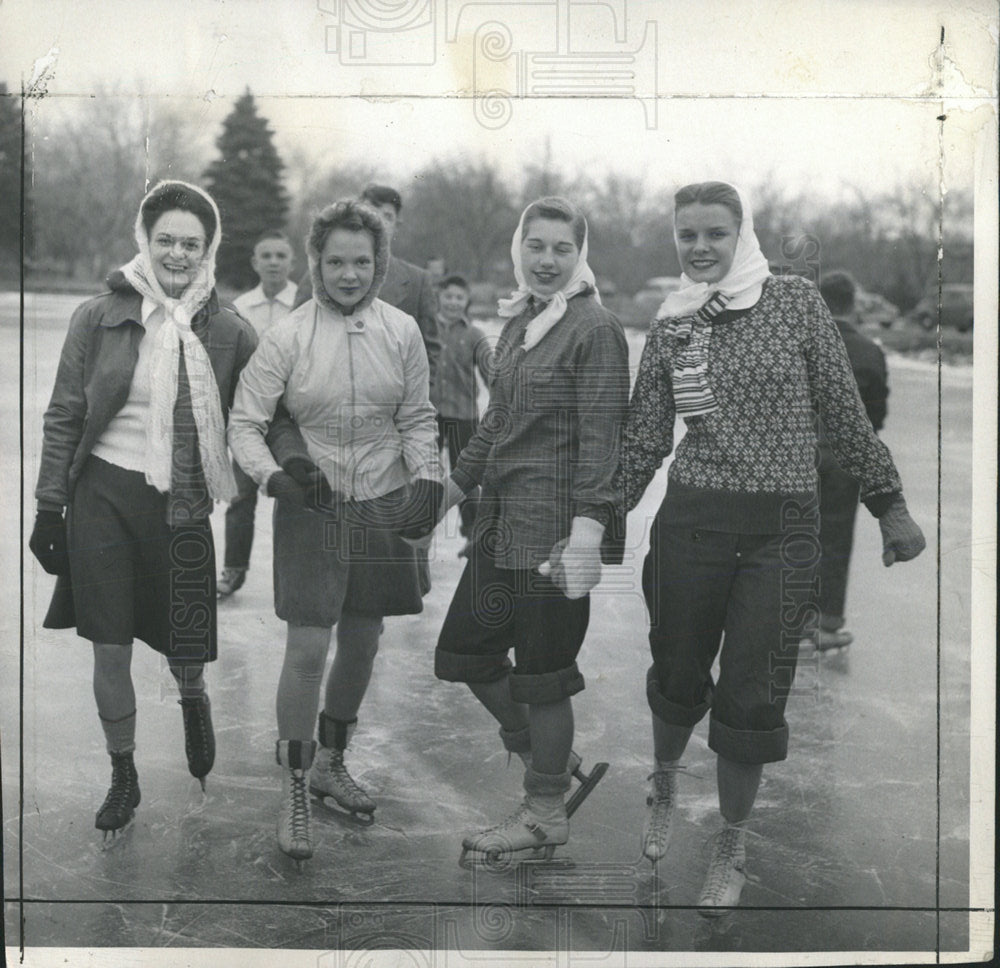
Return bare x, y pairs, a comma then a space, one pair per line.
126, 304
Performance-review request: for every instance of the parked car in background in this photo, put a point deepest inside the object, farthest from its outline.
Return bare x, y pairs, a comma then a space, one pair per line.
955, 308
874, 309
648, 299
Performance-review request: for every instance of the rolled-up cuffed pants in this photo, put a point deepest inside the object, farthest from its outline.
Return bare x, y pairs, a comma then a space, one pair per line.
495, 610
750, 596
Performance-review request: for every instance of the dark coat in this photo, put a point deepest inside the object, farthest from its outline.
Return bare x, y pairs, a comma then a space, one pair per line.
92, 384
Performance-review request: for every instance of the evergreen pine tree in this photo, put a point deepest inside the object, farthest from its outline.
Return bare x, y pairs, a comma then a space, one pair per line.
245, 181
10, 182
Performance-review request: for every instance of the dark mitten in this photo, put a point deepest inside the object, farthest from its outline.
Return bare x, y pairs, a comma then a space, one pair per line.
902, 538
315, 487
48, 542
285, 488
419, 514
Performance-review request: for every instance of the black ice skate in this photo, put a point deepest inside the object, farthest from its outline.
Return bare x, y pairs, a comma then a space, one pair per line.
199, 738
119, 805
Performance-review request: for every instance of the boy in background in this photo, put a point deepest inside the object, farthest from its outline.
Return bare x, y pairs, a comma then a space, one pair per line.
263, 306
464, 350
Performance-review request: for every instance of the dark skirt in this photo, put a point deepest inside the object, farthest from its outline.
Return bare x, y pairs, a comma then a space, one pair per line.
132, 575
324, 566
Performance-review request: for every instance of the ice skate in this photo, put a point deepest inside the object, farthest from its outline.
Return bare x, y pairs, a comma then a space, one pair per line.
519, 742
524, 829
199, 738
293, 828
826, 640
539, 824
587, 782
118, 809
832, 637
329, 780
330, 783
662, 804
726, 873
231, 580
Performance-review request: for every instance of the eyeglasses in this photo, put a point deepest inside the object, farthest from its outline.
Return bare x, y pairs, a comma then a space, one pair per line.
190, 246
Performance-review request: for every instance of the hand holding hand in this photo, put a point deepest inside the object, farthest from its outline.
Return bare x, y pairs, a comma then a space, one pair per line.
316, 490
48, 542
421, 511
574, 563
902, 538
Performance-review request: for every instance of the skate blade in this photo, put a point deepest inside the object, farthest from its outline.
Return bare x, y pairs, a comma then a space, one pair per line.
363, 818
497, 860
112, 838
587, 784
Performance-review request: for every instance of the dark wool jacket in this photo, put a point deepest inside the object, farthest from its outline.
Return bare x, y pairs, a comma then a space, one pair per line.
92, 384
95, 373
548, 445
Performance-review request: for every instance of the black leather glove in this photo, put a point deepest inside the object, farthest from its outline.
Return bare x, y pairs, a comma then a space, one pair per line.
48, 542
419, 513
316, 490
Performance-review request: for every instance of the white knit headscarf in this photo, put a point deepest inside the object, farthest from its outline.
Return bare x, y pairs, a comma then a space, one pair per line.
741, 285
692, 308
165, 364
582, 278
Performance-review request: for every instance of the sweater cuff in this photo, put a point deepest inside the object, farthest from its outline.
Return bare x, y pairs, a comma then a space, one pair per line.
43, 505
878, 504
600, 513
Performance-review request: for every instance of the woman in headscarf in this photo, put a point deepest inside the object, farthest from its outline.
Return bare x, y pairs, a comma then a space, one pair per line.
746, 358
544, 454
134, 451
352, 373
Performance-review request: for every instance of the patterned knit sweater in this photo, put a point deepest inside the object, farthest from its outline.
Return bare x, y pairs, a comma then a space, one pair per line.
771, 368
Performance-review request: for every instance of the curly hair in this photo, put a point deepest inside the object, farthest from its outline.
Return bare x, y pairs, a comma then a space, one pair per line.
352, 216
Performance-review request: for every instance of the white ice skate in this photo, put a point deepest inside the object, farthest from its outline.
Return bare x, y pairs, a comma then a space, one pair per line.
534, 826
293, 827
294, 834
726, 873
335, 788
662, 804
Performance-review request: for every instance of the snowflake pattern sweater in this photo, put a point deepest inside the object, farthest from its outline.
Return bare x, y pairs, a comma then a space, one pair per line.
741, 468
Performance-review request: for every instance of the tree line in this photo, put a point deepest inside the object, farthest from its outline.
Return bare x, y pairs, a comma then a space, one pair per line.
88, 171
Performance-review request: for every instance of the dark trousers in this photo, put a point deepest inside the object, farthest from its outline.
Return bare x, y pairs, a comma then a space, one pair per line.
746, 594
838, 507
496, 610
457, 433
239, 521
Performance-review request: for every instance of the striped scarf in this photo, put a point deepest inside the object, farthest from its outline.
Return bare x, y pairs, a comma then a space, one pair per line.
693, 396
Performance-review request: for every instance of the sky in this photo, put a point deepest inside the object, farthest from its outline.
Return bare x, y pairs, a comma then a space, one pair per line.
810, 93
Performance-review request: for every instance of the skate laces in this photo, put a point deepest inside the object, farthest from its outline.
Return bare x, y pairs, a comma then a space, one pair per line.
339, 771
517, 819
196, 734
121, 787
299, 818
729, 856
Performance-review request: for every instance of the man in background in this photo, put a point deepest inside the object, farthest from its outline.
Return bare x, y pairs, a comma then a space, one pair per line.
406, 286
838, 491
